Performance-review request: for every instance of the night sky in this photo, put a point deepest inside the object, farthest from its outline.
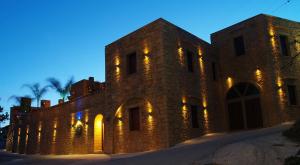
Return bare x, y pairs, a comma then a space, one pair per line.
64, 38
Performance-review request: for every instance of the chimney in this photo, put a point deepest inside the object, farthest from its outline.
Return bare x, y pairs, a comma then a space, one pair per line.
60, 101
25, 102
45, 103
91, 86
91, 79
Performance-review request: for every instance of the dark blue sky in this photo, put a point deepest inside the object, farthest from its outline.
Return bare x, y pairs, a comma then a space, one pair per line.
63, 38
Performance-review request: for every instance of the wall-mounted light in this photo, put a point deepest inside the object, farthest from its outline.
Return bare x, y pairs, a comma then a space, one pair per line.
146, 51
150, 113
229, 82
119, 118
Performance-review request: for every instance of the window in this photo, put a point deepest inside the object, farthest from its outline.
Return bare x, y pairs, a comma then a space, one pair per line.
189, 58
214, 74
134, 119
194, 116
284, 45
292, 94
239, 46
131, 63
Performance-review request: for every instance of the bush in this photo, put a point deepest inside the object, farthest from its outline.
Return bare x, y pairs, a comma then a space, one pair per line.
292, 160
294, 132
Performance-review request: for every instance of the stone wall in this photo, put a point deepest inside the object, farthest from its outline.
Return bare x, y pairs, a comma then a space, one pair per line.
145, 89
164, 90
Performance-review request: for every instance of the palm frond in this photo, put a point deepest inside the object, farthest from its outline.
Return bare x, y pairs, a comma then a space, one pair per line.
55, 84
69, 84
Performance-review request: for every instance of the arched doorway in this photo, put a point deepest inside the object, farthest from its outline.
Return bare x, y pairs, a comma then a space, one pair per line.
98, 133
244, 108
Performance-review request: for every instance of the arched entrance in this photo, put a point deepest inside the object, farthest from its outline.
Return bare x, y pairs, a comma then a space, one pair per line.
98, 133
244, 109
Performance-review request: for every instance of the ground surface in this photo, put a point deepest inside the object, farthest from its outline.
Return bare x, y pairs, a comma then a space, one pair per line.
263, 146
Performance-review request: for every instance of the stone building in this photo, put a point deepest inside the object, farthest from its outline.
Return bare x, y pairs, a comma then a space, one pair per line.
164, 85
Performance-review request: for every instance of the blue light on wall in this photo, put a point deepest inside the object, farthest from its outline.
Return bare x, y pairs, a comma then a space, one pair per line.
79, 115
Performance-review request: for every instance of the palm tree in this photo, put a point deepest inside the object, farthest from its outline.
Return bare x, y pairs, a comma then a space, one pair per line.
62, 90
37, 91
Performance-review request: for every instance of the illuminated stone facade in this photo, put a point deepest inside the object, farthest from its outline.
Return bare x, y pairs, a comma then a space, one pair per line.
164, 86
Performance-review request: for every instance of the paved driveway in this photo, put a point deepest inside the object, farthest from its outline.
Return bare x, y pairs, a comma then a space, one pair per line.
182, 154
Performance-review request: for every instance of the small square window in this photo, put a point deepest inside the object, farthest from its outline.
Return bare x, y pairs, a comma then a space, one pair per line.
292, 94
214, 72
131, 63
239, 46
190, 61
284, 45
194, 116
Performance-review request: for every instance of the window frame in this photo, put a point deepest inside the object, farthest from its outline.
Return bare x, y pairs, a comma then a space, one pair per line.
239, 45
190, 61
214, 71
131, 61
194, 116
286, 49
134, 118
292, 94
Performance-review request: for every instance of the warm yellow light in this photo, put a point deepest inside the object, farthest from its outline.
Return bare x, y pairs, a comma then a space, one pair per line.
200, 53
180, 49
229, 82
258, 75
78, 123
146, 50
150, 118
98, 133
54, 136
72, 118
40, 127
279, 82
120, 123
183, 100
205, 113
271, 31
27, 132
180, 53
146, 59
118, 113
117, 61
86, 118
27, 129
149, 107
184, 108
272, 36
204, 103
206, 123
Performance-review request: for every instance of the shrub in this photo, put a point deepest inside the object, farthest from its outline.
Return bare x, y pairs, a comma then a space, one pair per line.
292, 160
294, 132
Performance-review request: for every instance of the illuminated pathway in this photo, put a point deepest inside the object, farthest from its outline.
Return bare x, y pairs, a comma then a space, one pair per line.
185, 153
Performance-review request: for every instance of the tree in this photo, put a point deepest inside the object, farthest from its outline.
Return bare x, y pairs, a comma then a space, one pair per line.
37, 91
64, 91
3, 116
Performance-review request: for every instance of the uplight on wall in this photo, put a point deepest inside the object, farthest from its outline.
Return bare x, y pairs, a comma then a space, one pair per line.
229, 82
180, 53
258, 75
117, 68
